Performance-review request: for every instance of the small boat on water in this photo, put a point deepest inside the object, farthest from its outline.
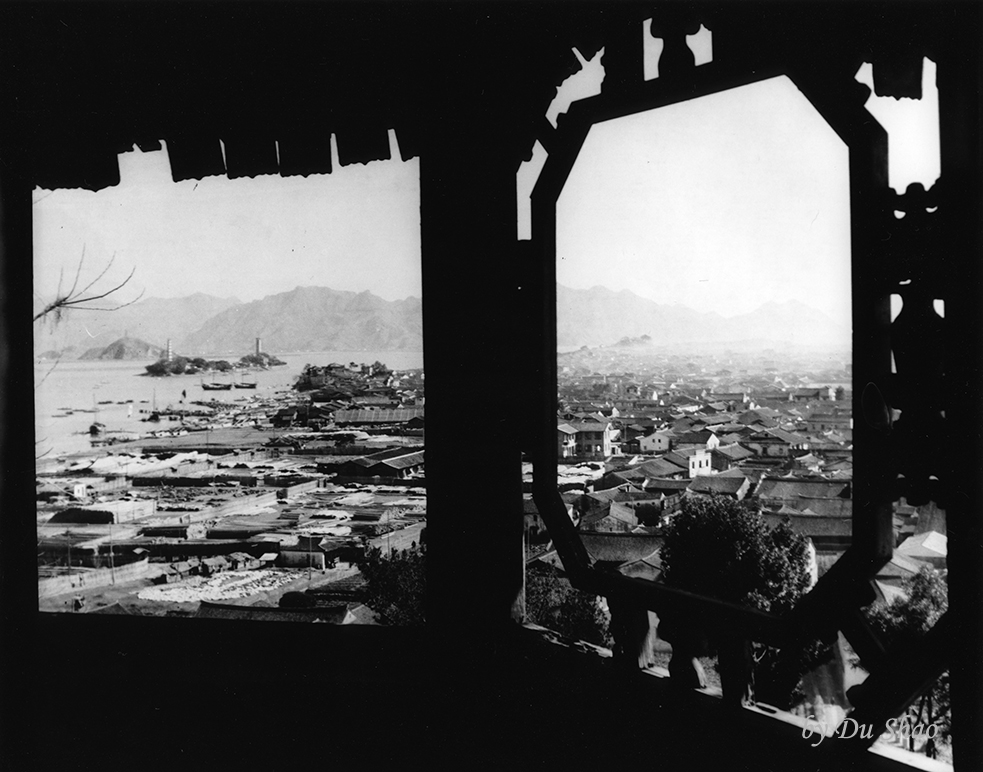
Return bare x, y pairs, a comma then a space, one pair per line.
217, 386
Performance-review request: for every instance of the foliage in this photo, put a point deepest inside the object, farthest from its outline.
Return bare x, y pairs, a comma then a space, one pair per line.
261, 359
722, 548
907, 619
295, 599
162, 367
552, 602
179, 365
397, 585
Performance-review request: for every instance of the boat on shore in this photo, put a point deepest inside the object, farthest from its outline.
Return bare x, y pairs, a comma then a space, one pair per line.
244, 384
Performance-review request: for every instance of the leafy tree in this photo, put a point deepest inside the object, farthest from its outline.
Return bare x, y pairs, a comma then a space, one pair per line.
397, 585
556, 604
724, 549
908, 619
157, 368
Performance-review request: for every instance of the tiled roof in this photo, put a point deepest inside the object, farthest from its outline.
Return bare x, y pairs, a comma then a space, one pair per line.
792, 488
661, 467
661, 485
400, 415
333, 614
621, 493
620, 548
693, 438
733, 452
717, 484
930, 544
649, 567
790, 437
402, 462
815, 525
834, 506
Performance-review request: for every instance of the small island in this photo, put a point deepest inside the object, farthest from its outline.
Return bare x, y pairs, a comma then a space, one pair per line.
124, 348
179, 365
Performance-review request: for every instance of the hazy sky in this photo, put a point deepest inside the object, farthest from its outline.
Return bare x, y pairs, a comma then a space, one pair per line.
357, 228
725, 202
719, 204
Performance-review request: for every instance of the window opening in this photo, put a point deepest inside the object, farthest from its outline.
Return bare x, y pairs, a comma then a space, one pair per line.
701, 44
703, 329
269, 462
897, 303
584, 83
651, 51
525, 181
913, 130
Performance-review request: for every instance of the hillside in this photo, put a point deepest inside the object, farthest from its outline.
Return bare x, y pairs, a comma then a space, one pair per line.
153, 319
600, 316
125, 348
312, 319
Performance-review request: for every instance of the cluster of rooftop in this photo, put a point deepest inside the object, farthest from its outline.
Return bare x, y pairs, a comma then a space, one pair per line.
281, 499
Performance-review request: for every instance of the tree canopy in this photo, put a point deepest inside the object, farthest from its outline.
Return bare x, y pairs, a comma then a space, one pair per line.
554, 603
723, 548
908, 618
397, 584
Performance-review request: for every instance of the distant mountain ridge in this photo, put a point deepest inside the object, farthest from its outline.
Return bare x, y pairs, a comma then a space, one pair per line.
313, 319
599, 316
303, 319
324, 319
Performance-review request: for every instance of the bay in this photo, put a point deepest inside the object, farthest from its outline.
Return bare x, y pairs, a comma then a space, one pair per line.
67, 393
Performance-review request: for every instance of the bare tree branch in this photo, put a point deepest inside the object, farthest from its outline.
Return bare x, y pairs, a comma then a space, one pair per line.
50, 371
78, 300
78, 272
103, 273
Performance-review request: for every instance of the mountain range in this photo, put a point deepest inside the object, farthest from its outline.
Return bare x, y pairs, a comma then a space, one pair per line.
303, 319
323, 319
313, 319
153, 320
599, 316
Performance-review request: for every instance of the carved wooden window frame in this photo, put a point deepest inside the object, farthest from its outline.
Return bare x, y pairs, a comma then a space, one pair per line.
879, 268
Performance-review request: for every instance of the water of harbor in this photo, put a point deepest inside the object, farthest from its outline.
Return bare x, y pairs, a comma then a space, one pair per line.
67, 395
